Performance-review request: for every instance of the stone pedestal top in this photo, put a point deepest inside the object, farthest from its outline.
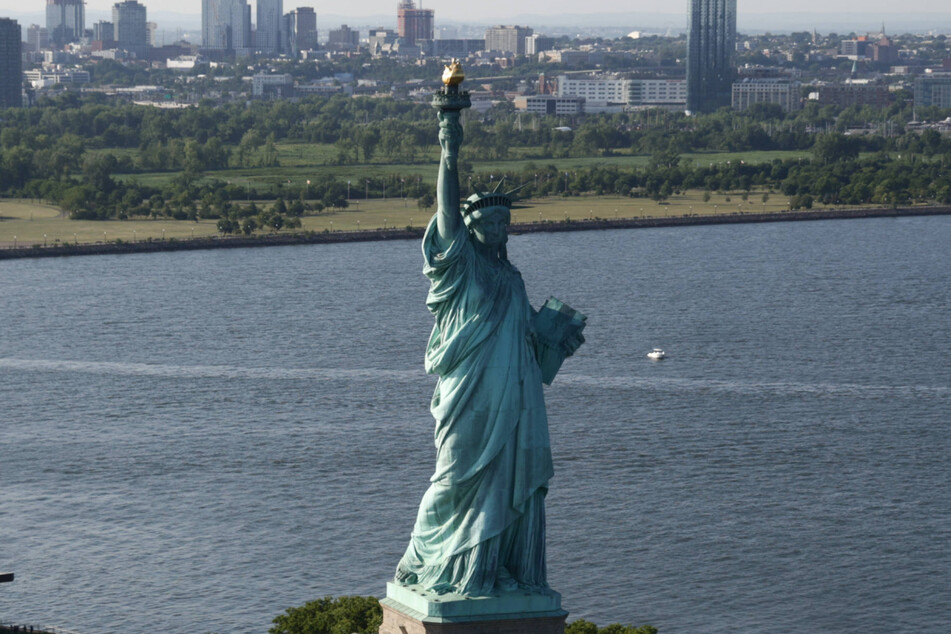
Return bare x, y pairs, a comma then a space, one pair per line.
504, 604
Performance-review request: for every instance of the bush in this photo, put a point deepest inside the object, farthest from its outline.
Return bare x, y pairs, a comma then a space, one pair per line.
586, 627
344, 615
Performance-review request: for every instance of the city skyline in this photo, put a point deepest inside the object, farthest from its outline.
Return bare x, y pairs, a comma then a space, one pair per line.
490, 10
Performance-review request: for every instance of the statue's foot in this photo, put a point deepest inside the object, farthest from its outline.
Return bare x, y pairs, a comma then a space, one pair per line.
443, 588
504, 580
405, 578
533, 587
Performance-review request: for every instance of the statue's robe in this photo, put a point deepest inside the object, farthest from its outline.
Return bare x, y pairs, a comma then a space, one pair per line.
483, 516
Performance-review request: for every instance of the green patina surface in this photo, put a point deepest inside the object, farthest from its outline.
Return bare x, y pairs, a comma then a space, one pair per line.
478, 544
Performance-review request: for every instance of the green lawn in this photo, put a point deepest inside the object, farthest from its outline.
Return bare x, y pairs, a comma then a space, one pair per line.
27, 223
302, 162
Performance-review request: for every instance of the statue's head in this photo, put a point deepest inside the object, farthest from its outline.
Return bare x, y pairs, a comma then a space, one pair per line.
487, 216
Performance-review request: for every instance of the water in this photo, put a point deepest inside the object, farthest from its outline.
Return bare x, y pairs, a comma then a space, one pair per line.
195, 441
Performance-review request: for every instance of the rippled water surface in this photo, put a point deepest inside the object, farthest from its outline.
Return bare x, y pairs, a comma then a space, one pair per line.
195, 441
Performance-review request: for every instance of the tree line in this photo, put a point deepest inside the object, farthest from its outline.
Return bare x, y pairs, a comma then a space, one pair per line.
83, 153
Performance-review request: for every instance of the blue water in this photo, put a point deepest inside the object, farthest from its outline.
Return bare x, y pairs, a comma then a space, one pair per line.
195, 441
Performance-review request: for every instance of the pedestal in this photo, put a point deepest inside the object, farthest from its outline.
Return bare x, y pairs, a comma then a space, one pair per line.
412, 610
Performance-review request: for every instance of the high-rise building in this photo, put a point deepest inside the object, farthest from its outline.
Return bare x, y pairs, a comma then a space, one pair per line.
507, 39
413, 23
104, 32
226, 25
343, 38
301, 30
37, 38
131, 25
711, 47
11, 64
933, 89
65, 21
268, 35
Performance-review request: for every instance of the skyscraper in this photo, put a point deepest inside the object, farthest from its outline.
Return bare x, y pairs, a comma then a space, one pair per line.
413, 24
65, 21
711, 46
11, 65
37, 38
131, 31
507, 39
301, 30
268, 36
226, 25
104, 32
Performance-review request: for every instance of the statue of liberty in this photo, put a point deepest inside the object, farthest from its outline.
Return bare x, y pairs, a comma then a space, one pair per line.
481, 524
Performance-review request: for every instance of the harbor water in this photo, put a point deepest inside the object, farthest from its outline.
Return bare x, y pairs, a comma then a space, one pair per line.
196, 441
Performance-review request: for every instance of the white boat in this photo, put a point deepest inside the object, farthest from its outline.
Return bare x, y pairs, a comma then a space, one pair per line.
656, 354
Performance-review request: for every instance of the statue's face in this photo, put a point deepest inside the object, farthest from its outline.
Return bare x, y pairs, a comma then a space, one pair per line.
492, 228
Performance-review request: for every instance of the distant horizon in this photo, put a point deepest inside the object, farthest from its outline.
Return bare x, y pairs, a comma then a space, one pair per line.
503, 9
839, 16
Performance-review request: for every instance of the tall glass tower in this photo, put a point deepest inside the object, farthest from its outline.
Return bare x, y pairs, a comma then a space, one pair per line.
65, 21
11, 65
270, 14
711, 47
226, 25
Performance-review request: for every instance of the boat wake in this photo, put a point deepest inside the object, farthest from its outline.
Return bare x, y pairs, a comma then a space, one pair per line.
752, 388
207, 371
567, 379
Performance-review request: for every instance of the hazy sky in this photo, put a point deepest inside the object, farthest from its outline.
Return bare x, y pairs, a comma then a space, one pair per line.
488, 9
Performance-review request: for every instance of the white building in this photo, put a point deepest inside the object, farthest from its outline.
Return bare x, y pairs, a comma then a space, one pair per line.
550, 104
595, 91
606, 91
44, 78
778, 90
658, 92
279, 85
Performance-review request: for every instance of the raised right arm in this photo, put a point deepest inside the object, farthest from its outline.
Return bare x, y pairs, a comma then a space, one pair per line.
448, 216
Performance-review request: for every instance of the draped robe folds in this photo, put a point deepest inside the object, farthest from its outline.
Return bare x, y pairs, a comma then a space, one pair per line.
482, 517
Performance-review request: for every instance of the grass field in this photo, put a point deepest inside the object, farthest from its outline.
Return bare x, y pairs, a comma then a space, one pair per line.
27, 223
302, 162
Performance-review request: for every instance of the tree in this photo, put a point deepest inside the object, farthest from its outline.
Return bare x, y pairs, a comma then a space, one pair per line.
586, 627
833, 147
425, 201
344, 615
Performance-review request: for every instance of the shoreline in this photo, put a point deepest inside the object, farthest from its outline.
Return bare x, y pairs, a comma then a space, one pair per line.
375, 235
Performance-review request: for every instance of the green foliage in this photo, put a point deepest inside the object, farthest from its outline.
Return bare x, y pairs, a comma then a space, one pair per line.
425, 201
71, 148
343, 615
586, 627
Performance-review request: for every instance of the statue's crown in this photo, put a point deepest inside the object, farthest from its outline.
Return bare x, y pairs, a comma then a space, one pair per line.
480, 200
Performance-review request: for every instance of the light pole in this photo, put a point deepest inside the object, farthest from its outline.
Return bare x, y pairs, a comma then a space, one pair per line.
367, 192
348, 191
